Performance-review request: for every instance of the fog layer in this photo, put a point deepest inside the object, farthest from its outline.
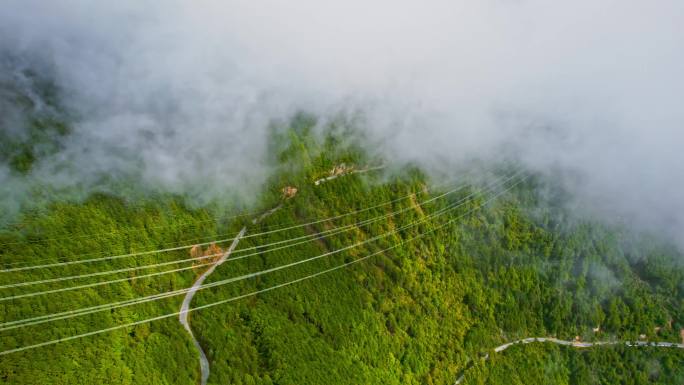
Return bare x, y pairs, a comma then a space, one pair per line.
181, 94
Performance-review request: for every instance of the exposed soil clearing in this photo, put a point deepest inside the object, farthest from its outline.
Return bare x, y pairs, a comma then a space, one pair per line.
339, 171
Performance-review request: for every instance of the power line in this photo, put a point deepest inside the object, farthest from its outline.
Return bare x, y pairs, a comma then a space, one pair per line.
307, 238
134, 301
312, 236
94, 309
117, 327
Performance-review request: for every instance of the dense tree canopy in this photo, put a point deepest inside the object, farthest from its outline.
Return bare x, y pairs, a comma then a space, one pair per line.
419, 313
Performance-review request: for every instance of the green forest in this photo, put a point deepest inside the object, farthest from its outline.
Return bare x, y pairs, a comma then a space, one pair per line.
476, 268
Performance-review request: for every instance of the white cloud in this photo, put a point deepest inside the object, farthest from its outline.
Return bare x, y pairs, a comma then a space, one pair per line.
184, 91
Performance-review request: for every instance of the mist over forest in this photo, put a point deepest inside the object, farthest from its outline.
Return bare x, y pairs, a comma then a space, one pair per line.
430, 192
587, 93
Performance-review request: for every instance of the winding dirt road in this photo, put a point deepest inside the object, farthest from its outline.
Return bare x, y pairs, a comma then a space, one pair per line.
574, 344
183, 317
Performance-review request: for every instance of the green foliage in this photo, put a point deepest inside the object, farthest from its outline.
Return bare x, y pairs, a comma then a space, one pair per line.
554, 365
417, 314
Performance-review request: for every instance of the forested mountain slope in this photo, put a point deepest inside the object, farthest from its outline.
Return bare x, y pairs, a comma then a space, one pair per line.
491, 269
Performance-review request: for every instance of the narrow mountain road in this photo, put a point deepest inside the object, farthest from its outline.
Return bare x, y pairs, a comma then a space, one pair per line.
574, 344
183, 317
579, 344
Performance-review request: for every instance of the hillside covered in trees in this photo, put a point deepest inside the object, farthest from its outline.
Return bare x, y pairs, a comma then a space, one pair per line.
487, 261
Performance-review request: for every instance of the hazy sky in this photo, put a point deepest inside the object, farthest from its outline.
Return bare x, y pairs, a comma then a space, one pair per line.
183, 92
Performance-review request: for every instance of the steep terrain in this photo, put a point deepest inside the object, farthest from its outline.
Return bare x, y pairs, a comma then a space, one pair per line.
481, 276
